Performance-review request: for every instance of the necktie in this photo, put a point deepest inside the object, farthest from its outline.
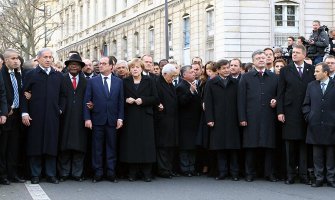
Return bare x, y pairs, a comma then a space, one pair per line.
74, 82
175, 82
260, 73
323, 88
106, 85
299, 71
88, 77
16, 90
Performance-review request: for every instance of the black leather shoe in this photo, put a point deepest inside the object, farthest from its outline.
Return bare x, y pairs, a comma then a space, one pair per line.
187, 174
63, 178
147, 179
112, 179
221, 177
131, 179
17, 179
305, 180
4, 181
96, 179
272, 178
331, 184
289, 181
317, 183
52, 179
35, 180
175, 174
235, 178
249, 178
77, 178
165, 175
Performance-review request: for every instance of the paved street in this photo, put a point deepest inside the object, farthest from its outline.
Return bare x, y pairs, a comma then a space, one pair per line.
180, 188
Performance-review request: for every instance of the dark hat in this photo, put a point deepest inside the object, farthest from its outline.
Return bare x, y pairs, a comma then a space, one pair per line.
75, 58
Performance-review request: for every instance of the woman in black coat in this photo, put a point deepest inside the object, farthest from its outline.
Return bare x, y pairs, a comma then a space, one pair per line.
137, 142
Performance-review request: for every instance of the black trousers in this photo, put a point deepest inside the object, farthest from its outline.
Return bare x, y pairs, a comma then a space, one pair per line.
296, 155
250, 159
187, 161
165, 156
71, 162
324, 154
228, 156
10, 146
36, 163
135, 168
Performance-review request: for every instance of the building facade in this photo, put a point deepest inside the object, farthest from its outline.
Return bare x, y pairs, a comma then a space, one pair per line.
211, 29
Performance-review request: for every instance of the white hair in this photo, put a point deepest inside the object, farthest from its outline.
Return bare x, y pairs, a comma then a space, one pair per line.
120, 62
169, 69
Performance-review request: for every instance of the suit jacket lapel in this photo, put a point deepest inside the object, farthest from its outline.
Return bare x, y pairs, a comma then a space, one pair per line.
167, 87
101, 85
329, 87
295, 71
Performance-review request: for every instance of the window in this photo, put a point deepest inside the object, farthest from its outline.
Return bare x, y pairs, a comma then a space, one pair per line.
186, 32
186, 40
114, 48
286, 22
170, 34
286, 15
114, 6
81, 17
105, 49
88, 13
124, 48
210, 33
136, 44
96, 11
151, 40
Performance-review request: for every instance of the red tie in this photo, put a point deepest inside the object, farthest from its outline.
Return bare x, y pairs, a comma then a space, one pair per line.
74, 82
260, 72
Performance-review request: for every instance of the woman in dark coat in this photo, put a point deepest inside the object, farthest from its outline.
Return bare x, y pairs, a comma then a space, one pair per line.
221, 115
137, 142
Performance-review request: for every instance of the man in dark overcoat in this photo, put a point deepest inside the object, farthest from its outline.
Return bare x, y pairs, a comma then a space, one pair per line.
221, 116
166, 131
319, 112
41, 114
189, 117
73, 134
256, 103
293, 80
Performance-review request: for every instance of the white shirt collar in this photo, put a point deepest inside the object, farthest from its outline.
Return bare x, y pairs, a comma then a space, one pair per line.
302, 66
326, 81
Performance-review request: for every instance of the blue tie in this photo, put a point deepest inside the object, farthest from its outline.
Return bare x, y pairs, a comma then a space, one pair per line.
106, 85
16, 90
323, 88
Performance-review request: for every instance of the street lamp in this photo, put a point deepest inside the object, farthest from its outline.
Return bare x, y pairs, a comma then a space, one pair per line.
166, 30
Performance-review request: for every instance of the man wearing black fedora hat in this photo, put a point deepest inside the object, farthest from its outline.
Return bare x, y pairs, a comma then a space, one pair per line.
73, 135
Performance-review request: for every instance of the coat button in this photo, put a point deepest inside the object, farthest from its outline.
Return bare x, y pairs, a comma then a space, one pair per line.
322, 110
322, 99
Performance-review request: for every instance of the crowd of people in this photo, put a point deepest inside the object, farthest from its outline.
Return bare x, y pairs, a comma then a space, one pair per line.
271, 118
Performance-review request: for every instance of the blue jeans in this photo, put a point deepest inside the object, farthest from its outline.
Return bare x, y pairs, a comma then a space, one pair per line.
317, 60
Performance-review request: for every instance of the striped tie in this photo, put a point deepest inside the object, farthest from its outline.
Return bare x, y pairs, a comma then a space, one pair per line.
16, 90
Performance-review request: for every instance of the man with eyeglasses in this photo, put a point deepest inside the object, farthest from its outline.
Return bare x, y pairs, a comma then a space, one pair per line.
105, 91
